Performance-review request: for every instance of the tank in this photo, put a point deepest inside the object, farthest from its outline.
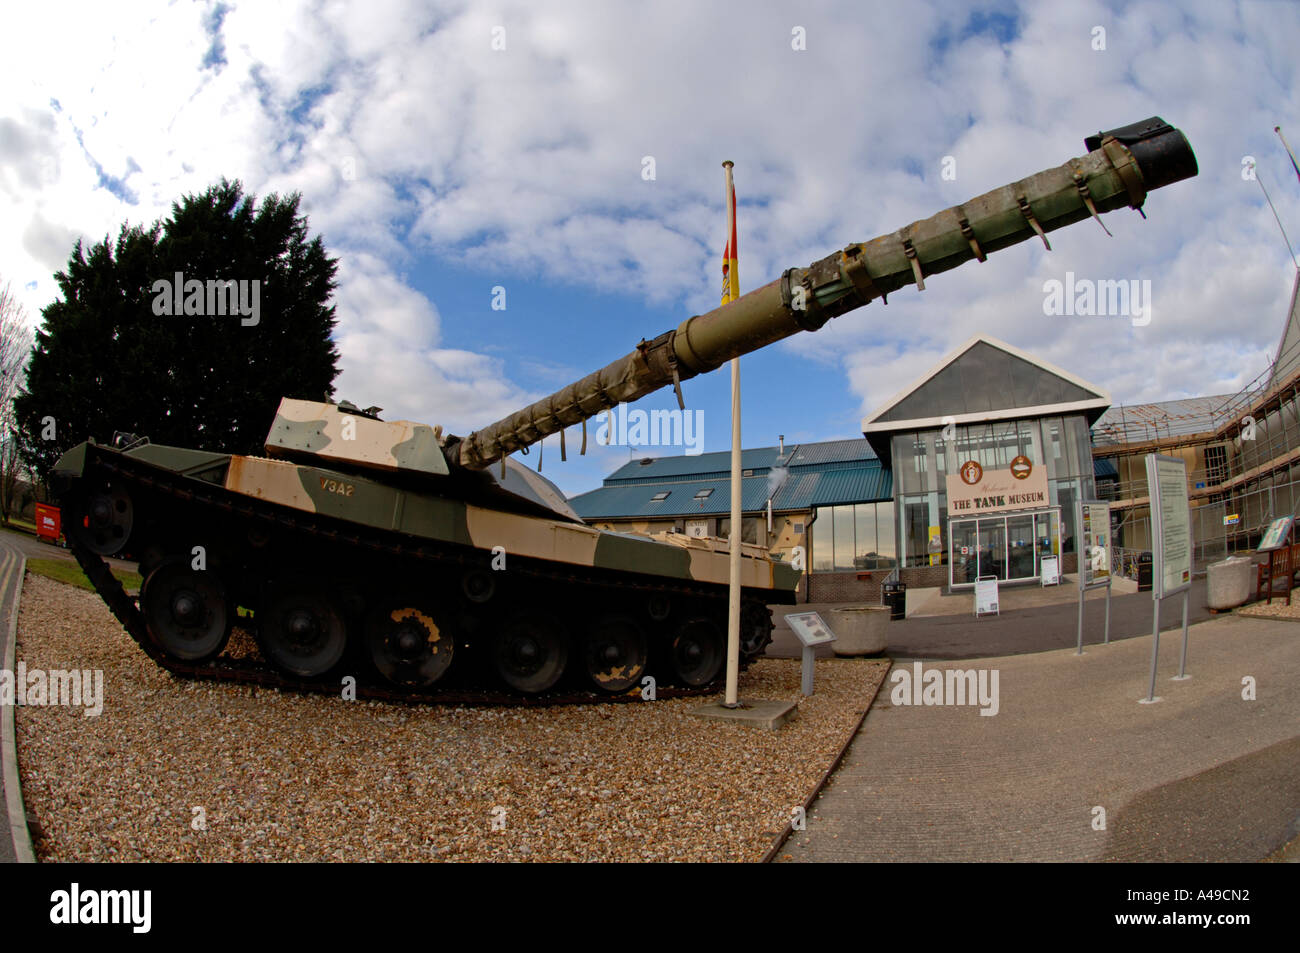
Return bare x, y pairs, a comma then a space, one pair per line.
393, 560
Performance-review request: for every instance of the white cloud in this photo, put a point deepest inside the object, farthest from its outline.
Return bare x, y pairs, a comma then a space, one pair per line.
410, 137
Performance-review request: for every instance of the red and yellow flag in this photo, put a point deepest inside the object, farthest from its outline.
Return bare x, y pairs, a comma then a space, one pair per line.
730, 273
1294, 164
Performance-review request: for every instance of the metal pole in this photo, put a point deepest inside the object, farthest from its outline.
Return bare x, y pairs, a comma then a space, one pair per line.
1082, 592
1107, 642
808, 664
737, 533
1182, 664
1082, 566
1155, 651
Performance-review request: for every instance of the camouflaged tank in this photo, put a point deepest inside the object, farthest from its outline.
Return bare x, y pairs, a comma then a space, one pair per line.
416, 562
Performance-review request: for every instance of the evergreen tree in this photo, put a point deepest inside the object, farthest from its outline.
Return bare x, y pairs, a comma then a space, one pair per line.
124, 349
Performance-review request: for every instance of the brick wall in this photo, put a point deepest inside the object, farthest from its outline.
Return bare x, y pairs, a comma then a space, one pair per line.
924, 577
846, 587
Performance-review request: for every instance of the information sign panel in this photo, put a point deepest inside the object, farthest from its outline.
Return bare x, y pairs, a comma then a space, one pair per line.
1171, 525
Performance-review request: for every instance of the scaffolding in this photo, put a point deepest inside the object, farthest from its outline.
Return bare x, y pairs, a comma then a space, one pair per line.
1243, 454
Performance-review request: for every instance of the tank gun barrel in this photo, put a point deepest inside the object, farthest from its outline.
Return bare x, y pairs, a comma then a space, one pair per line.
1121, 167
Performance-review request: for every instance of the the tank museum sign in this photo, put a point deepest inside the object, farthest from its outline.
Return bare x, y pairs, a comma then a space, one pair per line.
972, 490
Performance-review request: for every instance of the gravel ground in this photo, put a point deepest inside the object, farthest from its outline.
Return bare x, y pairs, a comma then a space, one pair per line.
281, 777
1278, 610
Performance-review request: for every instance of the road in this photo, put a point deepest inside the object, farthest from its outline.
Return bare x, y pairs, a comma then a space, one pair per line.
11, 584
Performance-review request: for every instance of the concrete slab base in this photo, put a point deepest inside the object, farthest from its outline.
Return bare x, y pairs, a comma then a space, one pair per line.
756, 714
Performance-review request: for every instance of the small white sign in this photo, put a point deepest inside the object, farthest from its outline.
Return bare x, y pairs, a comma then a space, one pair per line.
986, 596
1051, 570
809, 628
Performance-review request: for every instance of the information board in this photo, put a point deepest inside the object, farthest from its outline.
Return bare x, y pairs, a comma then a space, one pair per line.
986, 596
1094, 532
809, 628
1275, 536
1170, 524
1050, 567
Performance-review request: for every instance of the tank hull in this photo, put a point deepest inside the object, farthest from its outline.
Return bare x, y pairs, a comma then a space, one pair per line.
242, 532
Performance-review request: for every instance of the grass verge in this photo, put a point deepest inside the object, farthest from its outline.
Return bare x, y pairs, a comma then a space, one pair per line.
67, 571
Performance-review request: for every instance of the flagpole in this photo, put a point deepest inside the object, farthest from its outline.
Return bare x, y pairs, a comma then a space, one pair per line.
1295, 165
737, 531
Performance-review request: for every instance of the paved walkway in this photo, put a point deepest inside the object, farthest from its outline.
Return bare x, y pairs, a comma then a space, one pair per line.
1202, 775
1031, 620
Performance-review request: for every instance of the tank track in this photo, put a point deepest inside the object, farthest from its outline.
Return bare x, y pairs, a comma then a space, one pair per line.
217, 500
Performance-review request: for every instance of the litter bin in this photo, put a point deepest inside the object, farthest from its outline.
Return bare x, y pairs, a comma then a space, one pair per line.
894, 595
1144, 572
1227, 583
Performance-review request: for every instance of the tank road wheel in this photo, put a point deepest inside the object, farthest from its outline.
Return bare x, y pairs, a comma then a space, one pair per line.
699, 650
301, 631
755, 630
407, 645
530, 653
103, 520
186, 612
478, 586
615, 653
659, 607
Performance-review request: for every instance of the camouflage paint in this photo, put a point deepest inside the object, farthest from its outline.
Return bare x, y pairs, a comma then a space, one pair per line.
304, 427
366, 502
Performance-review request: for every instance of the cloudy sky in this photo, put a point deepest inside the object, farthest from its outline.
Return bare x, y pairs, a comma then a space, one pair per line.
444, 149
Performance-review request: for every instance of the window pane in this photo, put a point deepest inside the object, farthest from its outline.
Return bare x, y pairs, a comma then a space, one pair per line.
915, 521
885, 532
821, 537
864, 530
1065, 499
844, 547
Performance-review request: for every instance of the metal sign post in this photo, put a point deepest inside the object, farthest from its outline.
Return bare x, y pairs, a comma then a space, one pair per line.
1171, 546
811, 632
1092, 522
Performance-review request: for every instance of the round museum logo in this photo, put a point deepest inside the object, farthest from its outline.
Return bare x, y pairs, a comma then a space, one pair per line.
971, 472
1021, 468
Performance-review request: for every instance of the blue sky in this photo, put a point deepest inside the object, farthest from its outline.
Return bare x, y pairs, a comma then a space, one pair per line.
436, 168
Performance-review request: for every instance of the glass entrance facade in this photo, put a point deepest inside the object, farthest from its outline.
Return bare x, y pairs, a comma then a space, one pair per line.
1009, 546
923, 459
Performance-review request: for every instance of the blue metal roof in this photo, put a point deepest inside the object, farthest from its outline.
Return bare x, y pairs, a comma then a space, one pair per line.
1104, 469
808, 475
832, 451
634, 501
687, 467
807, 487
847, 453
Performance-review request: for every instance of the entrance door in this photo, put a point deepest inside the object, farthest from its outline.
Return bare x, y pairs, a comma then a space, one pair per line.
1047, 533
993, 547
1021, 563
964, 553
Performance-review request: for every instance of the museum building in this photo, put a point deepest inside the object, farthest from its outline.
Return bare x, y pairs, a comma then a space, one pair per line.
989, 452
973, 470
